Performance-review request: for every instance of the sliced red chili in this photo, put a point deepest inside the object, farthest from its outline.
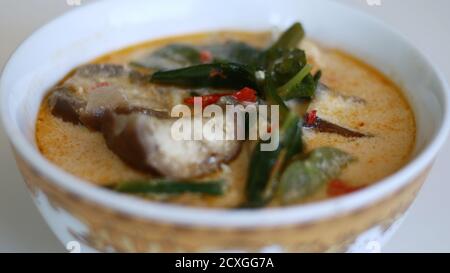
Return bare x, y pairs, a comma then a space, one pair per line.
205, 56
245, 94
206, 99
311, 118
337, 188
189, 101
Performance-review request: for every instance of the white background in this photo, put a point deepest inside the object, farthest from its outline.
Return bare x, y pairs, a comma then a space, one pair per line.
427, 227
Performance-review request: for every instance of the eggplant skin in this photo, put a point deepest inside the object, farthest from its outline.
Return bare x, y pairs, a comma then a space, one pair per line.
64, 104
144, 142
104, 99
122, 137
84, 96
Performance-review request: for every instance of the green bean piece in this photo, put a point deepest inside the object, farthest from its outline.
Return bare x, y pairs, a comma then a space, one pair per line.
166, 186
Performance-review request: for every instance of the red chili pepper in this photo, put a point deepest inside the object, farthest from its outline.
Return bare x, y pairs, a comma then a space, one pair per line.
337, 188
245, 94
311, 118
189, 101
205, 56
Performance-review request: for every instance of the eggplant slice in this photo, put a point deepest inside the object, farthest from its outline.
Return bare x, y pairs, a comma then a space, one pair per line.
94, 88
325, 96
323, 126
65, 104
146, 143
133, 117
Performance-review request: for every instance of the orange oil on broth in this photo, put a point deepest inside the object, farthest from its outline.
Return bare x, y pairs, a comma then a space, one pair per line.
386, 115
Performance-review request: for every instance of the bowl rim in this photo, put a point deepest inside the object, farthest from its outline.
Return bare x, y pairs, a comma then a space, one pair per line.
226, 218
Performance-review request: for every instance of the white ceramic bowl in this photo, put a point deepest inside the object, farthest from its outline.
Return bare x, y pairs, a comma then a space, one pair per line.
103, 220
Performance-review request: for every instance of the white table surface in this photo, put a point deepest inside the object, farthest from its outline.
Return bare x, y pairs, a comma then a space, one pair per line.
426, 228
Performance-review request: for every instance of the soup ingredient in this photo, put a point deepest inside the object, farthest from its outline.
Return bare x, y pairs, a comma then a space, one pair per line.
240, 64
89, 111
206, 56
324, 126
206, 99
324, 96
235, 52
146, 143
287, 64
246, 94
284, 58
289, 39
310, 118
85, 154
65, 104
305, 176
220, 75
95, 88
100, 100
338, 187
300, 86
266, 166
109, 98
166, 186
290, 71
175, 56
172, 56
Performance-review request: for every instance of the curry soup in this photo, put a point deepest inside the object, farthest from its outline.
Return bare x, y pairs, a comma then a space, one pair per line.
106, 122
